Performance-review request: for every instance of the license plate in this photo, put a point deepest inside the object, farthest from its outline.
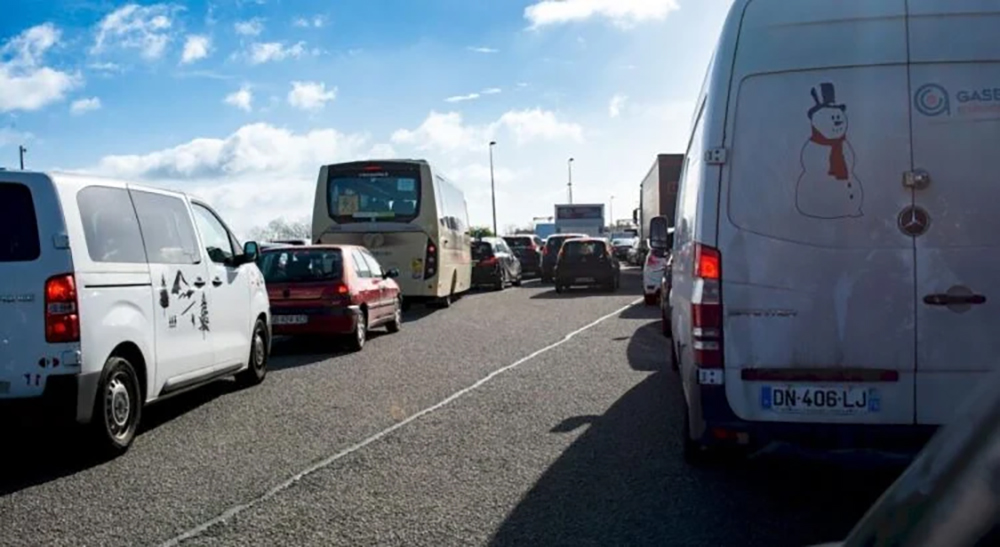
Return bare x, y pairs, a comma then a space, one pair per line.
585, 279
289, 319
843, 400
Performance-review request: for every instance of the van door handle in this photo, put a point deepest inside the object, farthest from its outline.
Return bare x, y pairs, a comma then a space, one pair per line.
216, 282
954, 300
199, 283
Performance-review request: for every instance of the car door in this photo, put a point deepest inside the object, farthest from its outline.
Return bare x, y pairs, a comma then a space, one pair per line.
955, 109
367, 290
380, 287
229, 286
184, 340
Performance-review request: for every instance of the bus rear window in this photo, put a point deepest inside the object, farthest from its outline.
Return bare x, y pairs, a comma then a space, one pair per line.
19, 240
370, 192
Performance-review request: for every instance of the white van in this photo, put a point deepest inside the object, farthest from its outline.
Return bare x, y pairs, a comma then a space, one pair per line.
113, 295
836, 277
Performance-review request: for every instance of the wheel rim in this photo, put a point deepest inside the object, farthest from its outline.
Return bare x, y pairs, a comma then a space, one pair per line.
259, 350
118, 406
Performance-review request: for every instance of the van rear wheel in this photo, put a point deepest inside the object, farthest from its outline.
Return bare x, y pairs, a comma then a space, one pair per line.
118, 408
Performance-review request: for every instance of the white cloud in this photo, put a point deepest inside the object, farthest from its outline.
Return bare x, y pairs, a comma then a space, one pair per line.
9, 137
310, 95
622, 13
275, 51
461, 98
483, 49
447, 132
105, 67
616, 105
25, 83
492, 91
242, 99
82, 106
251, 27
195, 48
146, 28
316, 21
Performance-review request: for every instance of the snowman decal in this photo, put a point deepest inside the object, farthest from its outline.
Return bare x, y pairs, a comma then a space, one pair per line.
828, 187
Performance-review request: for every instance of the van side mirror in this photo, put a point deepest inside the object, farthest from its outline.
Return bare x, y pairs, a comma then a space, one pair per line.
635, 216
251, 251
391, 273
659, 233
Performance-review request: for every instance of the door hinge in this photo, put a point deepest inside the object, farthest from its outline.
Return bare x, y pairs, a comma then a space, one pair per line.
716, 156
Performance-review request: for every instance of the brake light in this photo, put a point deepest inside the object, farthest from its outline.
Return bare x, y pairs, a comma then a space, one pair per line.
706, 309
430, 260
372, 168
491, 261
62, 320
342, 289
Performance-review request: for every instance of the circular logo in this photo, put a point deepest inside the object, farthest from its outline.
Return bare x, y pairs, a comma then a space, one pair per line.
914, 221
932, 100
373, 241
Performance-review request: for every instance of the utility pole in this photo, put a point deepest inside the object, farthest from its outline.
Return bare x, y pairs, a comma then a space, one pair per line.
21, 150
493, 191
569, 185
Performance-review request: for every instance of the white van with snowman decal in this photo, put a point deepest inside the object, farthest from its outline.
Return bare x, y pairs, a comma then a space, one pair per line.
113, 296
836, 277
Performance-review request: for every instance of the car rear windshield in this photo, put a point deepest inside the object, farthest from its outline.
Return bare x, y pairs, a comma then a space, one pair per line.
518, 242
556, 242
374, 192
481, 250
583, 248
19, 240
298, 265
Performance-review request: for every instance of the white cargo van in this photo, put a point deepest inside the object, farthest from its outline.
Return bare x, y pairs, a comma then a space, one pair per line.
113, 296
836, 274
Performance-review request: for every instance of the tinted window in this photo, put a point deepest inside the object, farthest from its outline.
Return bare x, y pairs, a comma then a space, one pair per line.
519, 242
481, 250
109, 225
166, 228
357, 193
373, 265
214, 235
583, 248
360, 266
554, 243
301, 265
18, 225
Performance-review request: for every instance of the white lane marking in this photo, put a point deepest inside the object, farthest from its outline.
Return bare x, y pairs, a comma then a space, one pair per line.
274, 491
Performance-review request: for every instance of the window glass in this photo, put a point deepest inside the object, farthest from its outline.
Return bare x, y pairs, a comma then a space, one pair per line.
166, 228
373, 265
287, 266
19, 240
481, 250
214, 235
583, 248
360, 266
387, 192
110, 226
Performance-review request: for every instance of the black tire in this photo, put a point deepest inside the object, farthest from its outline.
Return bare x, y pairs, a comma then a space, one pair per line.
117, 408
396, 322
545, 279
649, 299
674, 362
518, 280
559, 288
356, 340
501, 283
257, 369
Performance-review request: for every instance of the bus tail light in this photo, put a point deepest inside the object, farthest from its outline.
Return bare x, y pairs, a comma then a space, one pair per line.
62, 320
706, 308
431, 260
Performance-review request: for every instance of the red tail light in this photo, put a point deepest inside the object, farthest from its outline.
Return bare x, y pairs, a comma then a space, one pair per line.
430, 260
62, 319
545, 250
491, 261
706, 308
343, 289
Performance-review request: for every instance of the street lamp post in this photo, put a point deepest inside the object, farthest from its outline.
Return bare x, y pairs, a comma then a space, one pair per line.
569, 185
21, 150
493, 191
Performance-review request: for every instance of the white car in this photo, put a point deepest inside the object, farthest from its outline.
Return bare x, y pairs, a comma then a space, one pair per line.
835, 268
113, 296
652, 272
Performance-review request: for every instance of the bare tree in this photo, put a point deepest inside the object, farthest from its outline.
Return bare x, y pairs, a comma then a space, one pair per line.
280, 228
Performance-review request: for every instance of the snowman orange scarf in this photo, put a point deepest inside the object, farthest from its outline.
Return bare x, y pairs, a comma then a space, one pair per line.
838, 165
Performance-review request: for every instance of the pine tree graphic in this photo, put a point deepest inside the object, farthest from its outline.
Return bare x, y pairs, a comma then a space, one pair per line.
164, 295
203, 317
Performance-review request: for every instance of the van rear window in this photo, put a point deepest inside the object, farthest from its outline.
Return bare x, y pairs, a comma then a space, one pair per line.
19, 240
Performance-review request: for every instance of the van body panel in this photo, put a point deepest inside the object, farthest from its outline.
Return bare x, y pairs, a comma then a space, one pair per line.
956, 128
27, 360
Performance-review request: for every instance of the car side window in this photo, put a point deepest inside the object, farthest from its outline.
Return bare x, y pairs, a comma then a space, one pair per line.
110, 225
373, 265
360, 265
214, 235
167, 229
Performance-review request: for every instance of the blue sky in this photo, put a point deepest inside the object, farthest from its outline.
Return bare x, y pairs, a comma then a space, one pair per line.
240, 101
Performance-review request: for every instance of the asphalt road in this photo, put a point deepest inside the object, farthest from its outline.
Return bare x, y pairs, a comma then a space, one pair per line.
482, 424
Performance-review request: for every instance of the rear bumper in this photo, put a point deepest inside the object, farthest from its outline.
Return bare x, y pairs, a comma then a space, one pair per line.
722, 427
320, 321
483, 276
67, 398
577, 279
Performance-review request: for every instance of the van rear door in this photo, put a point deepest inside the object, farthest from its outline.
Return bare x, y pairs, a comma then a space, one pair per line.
817, 280
955, 83
31, 224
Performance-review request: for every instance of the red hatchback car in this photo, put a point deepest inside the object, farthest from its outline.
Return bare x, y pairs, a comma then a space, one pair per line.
330, 289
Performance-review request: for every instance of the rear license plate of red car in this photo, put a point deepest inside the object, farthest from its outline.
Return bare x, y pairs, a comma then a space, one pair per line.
290, 319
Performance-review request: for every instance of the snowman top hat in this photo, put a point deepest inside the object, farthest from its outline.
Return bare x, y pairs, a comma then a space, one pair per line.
826, 97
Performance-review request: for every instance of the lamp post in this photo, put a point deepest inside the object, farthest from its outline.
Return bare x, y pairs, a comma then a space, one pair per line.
569, 185
493, 191
21, 150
